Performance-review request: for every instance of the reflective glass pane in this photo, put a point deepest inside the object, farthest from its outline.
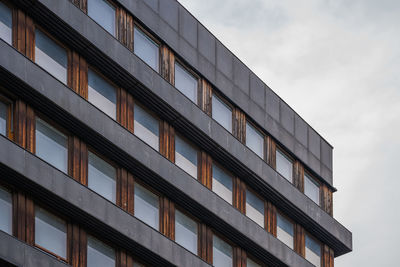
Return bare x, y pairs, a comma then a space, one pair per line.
146, 127
186, 232
5, 211
222, 253
101, 177
50, 232
146, 206
222, 113
99, 254
313, 251
222, 183
5, 23
51, 145
284, 230
255, 208
102, 94
311, 188
284, 166
3, 118
185, 156
146, 49
251, 263
185, 82
254, 140
103, 13
50, 56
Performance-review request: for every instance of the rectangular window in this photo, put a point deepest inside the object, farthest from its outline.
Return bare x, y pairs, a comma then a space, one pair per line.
103, 13
285, 230
50, 233
51, 145
254, 140
221, 112
102, 177
313, 251
186, 232
251, 263
51, 56
99, 254
254, 208
185, 156
102, 94
5, 211
146, 49
3, 118
186, 82
5, 23
222, 253
222, 183
146, 206
146, 127
284, 165
311, 188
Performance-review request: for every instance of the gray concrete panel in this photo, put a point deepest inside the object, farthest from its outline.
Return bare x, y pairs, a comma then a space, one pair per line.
188, 27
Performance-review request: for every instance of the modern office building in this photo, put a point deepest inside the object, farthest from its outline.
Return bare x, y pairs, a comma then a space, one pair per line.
130, 136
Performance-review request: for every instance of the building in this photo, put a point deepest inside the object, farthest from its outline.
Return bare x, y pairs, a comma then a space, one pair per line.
130, 136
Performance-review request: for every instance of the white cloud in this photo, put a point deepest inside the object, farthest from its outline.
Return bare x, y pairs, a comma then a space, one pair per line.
336, 62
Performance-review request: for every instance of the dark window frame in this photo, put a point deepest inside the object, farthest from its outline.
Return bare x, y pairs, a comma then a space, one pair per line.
226, 102
148, 34
263, 134
191, 72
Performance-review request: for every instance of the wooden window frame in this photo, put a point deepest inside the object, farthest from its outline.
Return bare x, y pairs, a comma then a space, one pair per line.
152, 190
264, 157
226, 102
8, 4
59, 43
313, 179
280, 149
195, 219
191, 72
317, 241
262, 199
137, 25
153, 114
198, 154
213, 162
280, 213
10, 115
115, 6
226, 240
55, 214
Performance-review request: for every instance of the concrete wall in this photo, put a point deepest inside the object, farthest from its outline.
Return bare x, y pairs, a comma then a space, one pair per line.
78, 114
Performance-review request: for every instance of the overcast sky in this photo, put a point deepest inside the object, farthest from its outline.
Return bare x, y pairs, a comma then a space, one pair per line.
337, 63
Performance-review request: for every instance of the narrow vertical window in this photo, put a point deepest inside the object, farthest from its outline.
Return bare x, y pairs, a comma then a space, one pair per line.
103, 13
146, 49
146, 127
313, 251
284, 165
221, 112
186, 82
185, 156
51, 145
102, 177
146, 206
5, 23
102, 94
222, 183
285, 230
254, 140
5, 211
50, 233
186, 232
99, 254
51, 56
222, 253
311, 188
254, 208
3, 118
251, 263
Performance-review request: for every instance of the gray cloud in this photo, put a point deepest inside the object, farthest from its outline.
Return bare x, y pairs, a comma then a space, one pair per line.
337, 63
